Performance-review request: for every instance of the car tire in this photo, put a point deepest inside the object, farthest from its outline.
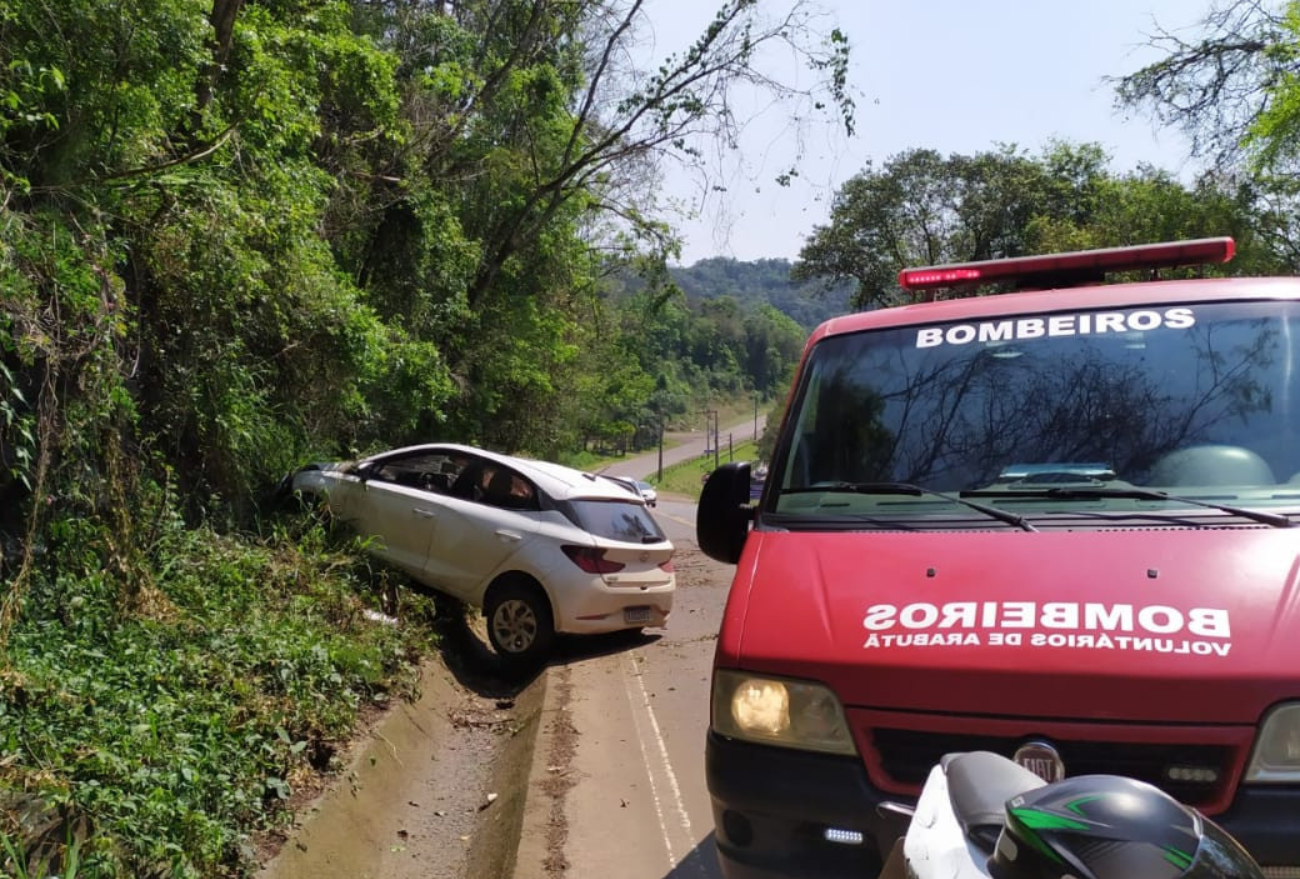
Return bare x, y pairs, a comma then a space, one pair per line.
519, 622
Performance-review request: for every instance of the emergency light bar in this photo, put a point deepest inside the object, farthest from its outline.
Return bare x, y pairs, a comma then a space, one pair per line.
1062, 269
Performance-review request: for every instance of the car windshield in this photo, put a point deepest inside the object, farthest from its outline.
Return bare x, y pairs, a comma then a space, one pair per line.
617, 520
1195, 401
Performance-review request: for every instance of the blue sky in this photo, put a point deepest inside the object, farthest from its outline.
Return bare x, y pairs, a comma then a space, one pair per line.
958, 77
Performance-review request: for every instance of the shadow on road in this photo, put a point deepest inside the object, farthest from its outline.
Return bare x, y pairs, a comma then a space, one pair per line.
700, 863
476, 666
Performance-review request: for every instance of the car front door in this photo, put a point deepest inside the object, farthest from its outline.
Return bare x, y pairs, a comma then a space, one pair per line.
396, 505
492, 517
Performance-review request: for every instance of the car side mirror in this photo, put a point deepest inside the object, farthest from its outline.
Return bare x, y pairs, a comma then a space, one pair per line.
723, 517
362, 471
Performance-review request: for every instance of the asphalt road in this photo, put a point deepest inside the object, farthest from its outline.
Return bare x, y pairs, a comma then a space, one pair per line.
617, 785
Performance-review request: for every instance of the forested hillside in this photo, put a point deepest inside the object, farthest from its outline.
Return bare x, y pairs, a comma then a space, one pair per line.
239, 235
766, 281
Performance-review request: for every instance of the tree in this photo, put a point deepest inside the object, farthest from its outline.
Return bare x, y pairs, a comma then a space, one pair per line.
1233, 90
922, 209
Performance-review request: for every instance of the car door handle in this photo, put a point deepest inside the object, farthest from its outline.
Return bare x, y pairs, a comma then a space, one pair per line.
509, 536
424, 514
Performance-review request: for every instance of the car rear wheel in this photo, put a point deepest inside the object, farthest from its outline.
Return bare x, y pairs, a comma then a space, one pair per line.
520, 625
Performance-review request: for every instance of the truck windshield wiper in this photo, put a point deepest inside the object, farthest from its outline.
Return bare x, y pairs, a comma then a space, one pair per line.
915, 490
1142, 494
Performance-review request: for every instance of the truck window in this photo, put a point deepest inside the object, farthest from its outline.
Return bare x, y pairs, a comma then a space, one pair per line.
1200, 399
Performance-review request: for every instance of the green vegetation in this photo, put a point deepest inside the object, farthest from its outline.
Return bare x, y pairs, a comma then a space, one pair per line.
239, 235
764, 282
920, 208
687, 478
164, 735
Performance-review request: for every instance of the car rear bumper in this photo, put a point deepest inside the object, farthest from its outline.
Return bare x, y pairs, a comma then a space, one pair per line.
772, 807
605, 608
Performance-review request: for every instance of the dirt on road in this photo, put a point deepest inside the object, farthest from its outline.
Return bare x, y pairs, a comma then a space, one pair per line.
436, 789
433, 789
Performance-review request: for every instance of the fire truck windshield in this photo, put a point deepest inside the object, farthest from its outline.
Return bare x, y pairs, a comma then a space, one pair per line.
1199, 400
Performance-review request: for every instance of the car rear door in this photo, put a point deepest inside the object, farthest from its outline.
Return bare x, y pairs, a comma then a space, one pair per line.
478, 532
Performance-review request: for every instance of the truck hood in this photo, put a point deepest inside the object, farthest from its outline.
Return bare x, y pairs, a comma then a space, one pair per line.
1176, 625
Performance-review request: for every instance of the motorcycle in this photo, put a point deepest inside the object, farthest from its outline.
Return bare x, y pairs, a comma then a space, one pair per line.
982, 816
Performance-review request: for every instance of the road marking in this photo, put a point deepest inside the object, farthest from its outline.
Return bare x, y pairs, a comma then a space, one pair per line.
649, 771
665, 765
678, 519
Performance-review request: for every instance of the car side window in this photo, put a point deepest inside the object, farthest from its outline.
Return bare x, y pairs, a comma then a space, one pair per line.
499, 486
426, 471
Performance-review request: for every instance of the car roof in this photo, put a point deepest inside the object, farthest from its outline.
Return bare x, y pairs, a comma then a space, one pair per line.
1063, 299
560, 482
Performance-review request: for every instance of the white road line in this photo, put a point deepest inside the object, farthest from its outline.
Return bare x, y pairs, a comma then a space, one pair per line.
679, 804
678, 519
649, 771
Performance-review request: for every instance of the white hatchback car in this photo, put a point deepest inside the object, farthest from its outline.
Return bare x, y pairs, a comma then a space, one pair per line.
539, 547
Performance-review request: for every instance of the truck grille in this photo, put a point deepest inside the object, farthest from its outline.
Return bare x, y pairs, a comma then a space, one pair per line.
906, 756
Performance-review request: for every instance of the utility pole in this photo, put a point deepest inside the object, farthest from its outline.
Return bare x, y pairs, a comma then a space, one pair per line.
661, 446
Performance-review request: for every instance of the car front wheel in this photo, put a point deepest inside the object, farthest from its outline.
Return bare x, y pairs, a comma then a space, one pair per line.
520, 625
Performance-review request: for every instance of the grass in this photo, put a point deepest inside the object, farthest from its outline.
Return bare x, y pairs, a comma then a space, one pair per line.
730, 412
590, 461
687, 478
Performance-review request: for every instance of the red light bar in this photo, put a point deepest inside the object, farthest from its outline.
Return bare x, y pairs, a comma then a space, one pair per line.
1081, 262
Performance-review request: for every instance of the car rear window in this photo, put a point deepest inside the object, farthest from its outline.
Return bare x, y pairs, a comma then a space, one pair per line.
616, 520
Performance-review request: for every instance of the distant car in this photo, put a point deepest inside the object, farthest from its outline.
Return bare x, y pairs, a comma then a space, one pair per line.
539, 547
638, 487
648, 493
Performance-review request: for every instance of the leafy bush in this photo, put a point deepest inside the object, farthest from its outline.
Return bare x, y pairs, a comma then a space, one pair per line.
154, 744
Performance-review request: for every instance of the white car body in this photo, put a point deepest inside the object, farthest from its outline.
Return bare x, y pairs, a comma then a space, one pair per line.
592, 548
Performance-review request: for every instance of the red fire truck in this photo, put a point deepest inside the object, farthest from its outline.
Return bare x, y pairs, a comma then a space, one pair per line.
1056, 523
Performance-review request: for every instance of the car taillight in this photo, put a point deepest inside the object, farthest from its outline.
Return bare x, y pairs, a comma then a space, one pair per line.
666, 567
592, 559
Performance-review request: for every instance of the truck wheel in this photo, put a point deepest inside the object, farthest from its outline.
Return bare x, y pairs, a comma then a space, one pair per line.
519, 621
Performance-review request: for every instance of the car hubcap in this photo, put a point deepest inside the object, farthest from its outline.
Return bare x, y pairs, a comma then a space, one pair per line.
515, 625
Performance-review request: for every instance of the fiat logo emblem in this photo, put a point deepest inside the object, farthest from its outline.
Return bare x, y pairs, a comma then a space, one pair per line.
1041, 759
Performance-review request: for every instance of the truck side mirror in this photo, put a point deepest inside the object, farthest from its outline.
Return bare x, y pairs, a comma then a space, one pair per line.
723, 517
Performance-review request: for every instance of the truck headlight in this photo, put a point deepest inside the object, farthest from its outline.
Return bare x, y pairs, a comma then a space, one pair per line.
1277, 747
778, 711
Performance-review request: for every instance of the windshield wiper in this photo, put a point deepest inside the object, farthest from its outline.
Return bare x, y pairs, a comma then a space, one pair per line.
1142, 494
915, 490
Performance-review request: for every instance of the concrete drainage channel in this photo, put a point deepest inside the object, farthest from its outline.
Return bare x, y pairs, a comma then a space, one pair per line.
436, 790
